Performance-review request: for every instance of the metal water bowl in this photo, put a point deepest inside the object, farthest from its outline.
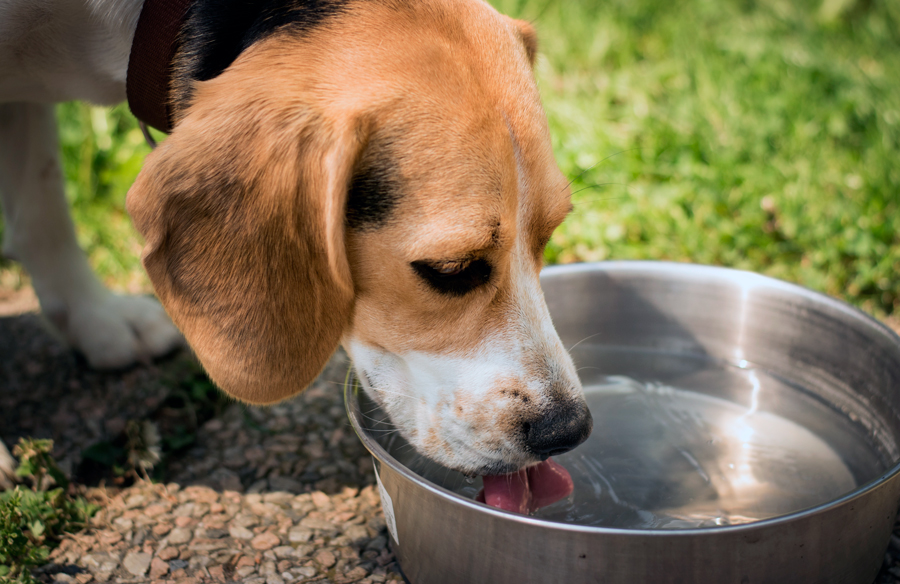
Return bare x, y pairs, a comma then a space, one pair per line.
754, 353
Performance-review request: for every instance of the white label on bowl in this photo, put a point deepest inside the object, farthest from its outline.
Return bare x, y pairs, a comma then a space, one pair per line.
388, 505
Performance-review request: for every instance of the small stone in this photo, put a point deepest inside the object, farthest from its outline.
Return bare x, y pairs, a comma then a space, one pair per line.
184, 521
357, 533
167, 553
154, 510
321, 500
64, 578
137, 563
180, 535
176, 565
284, 551
287, 484
123, 523
216, 533
299, 535
185, 510
304, 571
202, 494
267, 568
377, 544
246, 561
281, 499
158, 568
356, 573
162, 528
274, 579
303, 550
83, 578
258, 486
316, 523
265, 541
238, 532
245, 571
214, 425
325, 558
217, 573
108, 537
100, 563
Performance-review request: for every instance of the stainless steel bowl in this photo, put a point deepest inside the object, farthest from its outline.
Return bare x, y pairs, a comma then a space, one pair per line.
843, 361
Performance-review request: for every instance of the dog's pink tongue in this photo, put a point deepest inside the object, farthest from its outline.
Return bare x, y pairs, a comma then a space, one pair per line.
527, 490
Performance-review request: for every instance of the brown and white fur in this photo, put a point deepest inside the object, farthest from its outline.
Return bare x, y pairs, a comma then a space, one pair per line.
382, 179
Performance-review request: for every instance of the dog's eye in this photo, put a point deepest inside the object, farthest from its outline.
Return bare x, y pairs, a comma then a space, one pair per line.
454, 278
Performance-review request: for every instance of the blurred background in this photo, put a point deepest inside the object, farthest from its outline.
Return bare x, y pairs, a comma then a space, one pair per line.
761, 135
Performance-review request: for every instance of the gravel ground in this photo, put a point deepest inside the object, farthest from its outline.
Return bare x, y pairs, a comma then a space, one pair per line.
263, 495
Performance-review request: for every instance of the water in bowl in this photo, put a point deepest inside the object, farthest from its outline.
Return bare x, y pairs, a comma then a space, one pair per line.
684, 442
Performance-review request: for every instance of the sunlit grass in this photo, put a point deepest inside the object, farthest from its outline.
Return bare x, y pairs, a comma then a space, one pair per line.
759, 135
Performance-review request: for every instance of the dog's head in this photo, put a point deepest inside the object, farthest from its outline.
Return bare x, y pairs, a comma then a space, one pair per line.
384, 180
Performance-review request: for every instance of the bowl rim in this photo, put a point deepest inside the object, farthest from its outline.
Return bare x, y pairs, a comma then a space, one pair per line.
747, 280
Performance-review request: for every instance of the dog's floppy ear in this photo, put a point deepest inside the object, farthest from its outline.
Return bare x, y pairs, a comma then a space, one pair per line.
529, 38
242, 209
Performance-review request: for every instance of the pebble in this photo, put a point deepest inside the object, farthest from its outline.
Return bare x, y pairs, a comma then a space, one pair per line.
245, 571
180, 535
325, 558
137, 563
167, 553
239, 532
299, 535
264, 541
284, 551
158, 568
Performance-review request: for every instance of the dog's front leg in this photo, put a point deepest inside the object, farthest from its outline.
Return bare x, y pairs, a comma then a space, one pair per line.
112, 331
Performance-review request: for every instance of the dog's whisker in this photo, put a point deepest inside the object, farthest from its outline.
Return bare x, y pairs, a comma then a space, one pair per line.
584, 339
587, 367
396, 393
591, 167
598, 185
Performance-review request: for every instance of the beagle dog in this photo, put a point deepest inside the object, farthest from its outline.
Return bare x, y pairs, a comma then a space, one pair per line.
372, 173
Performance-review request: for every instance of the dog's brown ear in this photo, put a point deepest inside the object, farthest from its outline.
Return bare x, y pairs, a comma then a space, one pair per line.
242, 209
529, 39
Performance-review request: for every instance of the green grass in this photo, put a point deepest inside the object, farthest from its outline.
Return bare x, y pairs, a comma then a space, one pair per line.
758, 135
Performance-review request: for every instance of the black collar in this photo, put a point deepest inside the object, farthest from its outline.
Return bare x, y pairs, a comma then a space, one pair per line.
148, 82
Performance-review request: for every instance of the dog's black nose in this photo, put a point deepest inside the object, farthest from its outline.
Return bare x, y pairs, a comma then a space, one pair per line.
560, 429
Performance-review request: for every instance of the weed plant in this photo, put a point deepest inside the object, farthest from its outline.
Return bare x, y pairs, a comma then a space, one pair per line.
32, 521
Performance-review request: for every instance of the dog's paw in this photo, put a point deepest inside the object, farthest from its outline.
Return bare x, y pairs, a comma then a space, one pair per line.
7, 468
117, 331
